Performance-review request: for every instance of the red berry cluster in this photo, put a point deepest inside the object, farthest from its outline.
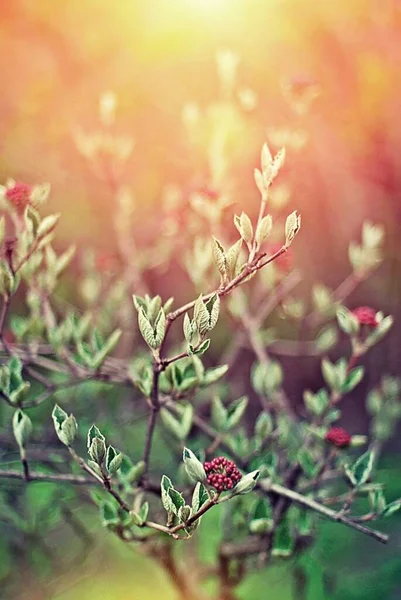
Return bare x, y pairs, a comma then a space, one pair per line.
338, 437
222, 474
366, 316
19, 195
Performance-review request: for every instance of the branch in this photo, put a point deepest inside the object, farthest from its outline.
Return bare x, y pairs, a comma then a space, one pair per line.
249, 269
155, 408
48, 477
310, 504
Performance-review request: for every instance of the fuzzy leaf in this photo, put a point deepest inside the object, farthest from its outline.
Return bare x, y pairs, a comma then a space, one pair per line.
193, 466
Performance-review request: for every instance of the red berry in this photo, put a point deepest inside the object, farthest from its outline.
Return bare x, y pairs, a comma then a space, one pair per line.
222, 473
19, 195
366, 316
338, 437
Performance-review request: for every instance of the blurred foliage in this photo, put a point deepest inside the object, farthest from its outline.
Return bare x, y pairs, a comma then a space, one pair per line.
158, 56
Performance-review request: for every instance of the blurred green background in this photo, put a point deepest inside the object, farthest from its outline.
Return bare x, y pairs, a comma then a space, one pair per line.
57, 58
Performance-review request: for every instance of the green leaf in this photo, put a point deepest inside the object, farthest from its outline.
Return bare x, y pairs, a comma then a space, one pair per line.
330, 375
362, 468
316, 403
326, 338
260, 526
176, 499
391, 508
308, 463
347, 321
160, 328
213, 308
283, 542
184, 513
66, 426
201, 316
22, 428
354, 377
262, 509
100, 356
219, 414
374, 402
68, 431
236, 411
147, 330
247, 483
199, 497
263, 425
47, 225
189, 328
263, 230
59, 416
166, 485
232, 256
377, 501
108, 514
244, 226
143, 513
97, 450
93, 433
213, 375
193, 466
201, 349
136, 472
219, 258
113, 460
171, 423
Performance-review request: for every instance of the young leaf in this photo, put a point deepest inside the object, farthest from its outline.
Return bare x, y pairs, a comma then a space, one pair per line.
354, 377
283, 542
247, 483
292, 226
93, 433
236, 411
244, 226
199, 497
166, 485
347, 321
201, 316
113, 460
193, 466
362, 468
213, 375
97, 450
391, 508
22, 427
177, 500
201, 349
219, 413
108, 514
59, 416
263, 230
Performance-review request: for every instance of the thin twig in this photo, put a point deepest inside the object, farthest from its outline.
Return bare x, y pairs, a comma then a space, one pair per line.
269, 487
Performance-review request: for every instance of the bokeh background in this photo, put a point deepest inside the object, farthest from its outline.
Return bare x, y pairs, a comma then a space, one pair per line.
158, 56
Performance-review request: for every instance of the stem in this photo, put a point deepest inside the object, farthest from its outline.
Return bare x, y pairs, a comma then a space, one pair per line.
149, 437
207, 506
3, 316
306, 502
25, 466
105, 482
48, 477
155, 408
250, 268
